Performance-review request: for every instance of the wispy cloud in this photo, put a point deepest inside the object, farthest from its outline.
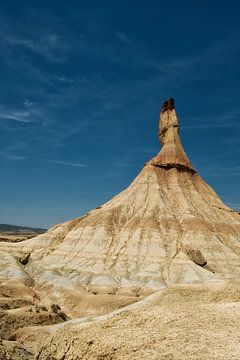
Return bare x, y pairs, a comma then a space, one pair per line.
15, 157
67, 163
148, 150
123, 37
233, 171
49, 45
21, 116
222, 156
230, 119
28, 103
27, 113
41, 44
64, 79
11, 152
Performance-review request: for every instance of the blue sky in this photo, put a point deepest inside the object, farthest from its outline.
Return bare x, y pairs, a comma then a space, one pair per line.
81, 87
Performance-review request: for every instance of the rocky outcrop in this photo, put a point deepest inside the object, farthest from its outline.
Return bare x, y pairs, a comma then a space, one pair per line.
172, 153
138, 241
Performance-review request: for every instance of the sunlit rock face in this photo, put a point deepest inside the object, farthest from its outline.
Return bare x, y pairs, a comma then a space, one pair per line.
172, 153
167, 227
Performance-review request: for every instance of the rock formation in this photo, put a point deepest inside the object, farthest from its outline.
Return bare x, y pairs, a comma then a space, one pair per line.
172, 153
167, 227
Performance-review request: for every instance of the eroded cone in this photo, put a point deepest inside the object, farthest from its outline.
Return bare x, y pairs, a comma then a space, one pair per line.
167, 227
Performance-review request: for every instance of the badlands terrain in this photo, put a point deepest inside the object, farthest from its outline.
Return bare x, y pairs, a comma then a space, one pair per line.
152, 274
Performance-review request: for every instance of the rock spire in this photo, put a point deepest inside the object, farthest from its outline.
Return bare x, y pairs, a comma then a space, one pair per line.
172, 153
167, 227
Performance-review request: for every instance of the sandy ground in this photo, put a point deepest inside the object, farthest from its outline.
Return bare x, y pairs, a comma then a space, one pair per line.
184, 322
198, 322
25, 313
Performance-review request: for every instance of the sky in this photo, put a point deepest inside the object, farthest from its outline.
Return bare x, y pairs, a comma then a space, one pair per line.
82, 83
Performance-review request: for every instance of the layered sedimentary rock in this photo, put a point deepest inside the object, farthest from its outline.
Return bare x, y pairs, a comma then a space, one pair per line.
172, 153
167, 227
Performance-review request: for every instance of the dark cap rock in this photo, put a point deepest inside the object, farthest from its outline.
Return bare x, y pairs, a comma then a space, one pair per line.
168, 105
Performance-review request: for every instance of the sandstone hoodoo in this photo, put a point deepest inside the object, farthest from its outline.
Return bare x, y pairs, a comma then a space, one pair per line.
167, 227
172, 153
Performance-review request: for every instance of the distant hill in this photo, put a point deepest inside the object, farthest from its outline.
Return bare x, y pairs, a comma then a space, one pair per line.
20, 229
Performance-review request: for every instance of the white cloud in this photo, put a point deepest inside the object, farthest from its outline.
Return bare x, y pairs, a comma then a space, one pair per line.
67, 163
21, 116
27, 113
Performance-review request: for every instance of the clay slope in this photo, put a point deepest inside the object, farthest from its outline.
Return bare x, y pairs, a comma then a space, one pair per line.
193, 322
167, 227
